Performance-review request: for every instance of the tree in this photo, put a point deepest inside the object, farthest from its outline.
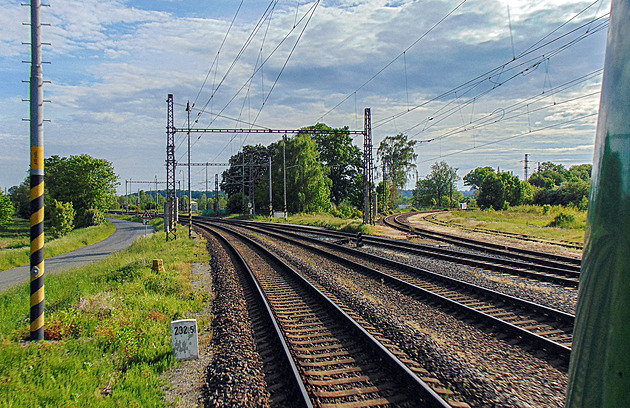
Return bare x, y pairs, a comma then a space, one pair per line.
512, 188
88, 183
61, 219
442, 181
476, 177
6, 210
491, 193
339, 156
21, 199
255, 160
397, 154
550, 175
308, 188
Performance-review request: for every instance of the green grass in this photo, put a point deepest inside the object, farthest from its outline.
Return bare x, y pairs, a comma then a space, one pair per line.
15, 235
111, 331
526, 219
79, 238
323, 220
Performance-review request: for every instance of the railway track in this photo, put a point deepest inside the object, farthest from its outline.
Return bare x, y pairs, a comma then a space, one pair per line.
533, 268
397, 222
432, 218
547, 328
337, 360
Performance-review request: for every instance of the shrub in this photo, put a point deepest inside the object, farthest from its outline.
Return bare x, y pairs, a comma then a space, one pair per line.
545, 209
90, 217
6, 210
562, 220
61, 218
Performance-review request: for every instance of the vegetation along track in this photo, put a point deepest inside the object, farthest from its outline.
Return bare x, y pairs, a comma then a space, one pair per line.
338, 361
432, 218
547, 328
526, 266
399, 222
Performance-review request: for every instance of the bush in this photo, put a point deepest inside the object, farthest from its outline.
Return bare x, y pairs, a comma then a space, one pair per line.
6, 210
91, 217
545, 209
562, 220
61, 218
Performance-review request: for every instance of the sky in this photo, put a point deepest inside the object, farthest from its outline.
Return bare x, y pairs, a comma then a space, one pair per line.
475, 82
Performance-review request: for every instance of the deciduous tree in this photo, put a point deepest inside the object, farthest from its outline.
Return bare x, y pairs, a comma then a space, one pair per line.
88, 183
6, 210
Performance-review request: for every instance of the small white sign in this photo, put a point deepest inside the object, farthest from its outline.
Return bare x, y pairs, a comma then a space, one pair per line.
185, 340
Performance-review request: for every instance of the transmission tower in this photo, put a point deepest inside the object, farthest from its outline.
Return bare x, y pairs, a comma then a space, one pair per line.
368, 169
170, 209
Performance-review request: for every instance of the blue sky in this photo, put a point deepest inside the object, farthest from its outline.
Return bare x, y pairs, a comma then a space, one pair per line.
113, 62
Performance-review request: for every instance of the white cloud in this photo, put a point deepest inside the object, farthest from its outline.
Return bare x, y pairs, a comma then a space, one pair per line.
113, 65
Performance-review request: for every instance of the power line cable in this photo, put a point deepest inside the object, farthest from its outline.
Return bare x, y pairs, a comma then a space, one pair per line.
392, 61
510, 137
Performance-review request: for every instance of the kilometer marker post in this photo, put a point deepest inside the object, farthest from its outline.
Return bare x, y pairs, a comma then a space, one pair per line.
37, 177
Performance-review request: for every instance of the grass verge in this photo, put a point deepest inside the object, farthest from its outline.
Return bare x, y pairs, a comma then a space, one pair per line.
108, 330
324, 220
79, 238
526, 219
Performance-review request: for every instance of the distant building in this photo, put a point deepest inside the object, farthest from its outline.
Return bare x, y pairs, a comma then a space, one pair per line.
194, 207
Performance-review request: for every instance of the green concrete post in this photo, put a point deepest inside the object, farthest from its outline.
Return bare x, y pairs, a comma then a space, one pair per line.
599, 372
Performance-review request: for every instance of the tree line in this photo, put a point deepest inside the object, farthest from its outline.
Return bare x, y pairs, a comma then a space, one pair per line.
552, 184
78, 191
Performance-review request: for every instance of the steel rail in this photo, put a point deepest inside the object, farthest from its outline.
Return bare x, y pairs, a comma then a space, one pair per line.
564, 277
553, 347
431, 398
480, 245
296, 379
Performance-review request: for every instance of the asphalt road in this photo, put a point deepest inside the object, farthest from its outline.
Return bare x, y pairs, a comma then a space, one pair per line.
126, 233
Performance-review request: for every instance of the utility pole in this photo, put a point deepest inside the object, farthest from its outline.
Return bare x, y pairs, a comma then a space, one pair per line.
270, 201
170, 207
284, 172
126, 196
368, 215
216, 194
206, 188
243, 186
36, 101
252, 201
526, 166
190, 220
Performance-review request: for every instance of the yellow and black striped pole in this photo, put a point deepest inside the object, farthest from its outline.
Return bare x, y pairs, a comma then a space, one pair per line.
37, 176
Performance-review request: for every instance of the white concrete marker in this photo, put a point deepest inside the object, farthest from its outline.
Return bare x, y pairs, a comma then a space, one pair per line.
184, 339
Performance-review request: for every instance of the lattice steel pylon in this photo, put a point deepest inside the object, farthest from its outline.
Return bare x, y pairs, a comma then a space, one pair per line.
368, 169
170, 207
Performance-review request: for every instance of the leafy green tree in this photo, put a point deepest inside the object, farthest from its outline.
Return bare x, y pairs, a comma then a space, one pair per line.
491, 193
6, 210
397, 154
308, 188
527, 192
581, 171
440, 183
61, 219
550, 175
21, 199
512, 188
425, 194
255, 159
339, 156
476, 177
88, 183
